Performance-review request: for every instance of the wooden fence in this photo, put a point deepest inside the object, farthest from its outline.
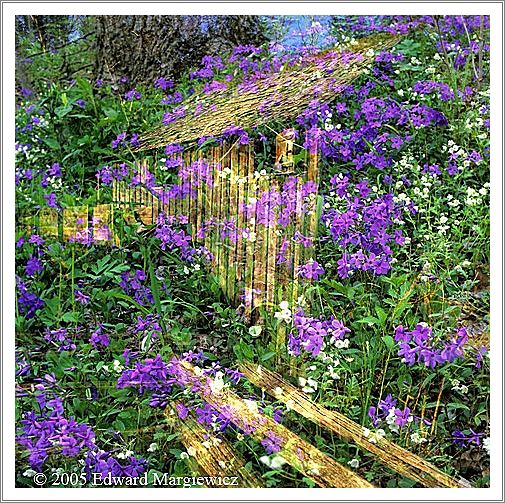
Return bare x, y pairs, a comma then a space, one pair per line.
81, 224
238, 214
295, 451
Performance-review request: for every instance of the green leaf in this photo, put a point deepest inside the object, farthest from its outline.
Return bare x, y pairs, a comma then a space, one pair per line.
255, 331
119, 425
52, 143
267, 356
111, 114
62, 111
381, 314
453, 405
371, 320
389, 342
71, 317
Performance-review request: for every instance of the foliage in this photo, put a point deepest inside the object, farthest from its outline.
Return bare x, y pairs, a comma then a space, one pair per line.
391, 327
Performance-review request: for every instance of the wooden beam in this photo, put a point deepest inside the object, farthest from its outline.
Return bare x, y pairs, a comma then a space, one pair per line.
302, 456
215, 456
395, 457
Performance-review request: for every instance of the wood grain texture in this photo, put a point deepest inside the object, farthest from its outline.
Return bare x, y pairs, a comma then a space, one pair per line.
393, 456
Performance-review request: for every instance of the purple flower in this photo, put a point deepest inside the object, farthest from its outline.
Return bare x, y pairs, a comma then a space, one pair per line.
134, 141
402, 416
129, 355
234, 375
164, 84
133, 94
60, 338
372, 414
311, 270
120, 140
420, 345
182, 410
105, 175
33, 266
81, 297
277, 415
461, 439
28, 303
36, 240
81, 103
98, 338
51, 200
387, 404
272, 442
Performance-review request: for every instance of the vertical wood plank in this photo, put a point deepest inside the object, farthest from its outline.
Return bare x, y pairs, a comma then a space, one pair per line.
75, 224
232, 215
250, 243
241, 195
48, 222
102, 224
200, 206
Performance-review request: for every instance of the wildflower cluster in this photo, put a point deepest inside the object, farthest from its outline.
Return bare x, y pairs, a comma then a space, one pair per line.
363, 226
133, 283
387, 411
51, 430
420, 346
313, 334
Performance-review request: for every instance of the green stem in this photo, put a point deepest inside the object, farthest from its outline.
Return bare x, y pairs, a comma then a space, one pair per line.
72, 278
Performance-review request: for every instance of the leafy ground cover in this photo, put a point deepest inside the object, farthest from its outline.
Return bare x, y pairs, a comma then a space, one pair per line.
391, 326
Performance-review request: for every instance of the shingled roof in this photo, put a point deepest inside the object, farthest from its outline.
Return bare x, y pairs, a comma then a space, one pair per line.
280, 96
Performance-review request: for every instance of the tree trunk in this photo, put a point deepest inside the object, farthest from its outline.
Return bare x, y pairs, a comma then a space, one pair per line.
144, 48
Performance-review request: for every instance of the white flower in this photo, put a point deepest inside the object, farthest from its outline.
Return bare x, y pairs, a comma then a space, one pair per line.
277, 461
117, 366
284, 305
153, 447
375, 436
284, 315
184, 455
486, 445
252, 405
265, 460
125, 455
416, 438
217, 384
29, 473
354, 463
333, 373
341, 343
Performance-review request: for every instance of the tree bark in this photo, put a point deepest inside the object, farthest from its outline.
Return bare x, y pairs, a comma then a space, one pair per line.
144, 48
